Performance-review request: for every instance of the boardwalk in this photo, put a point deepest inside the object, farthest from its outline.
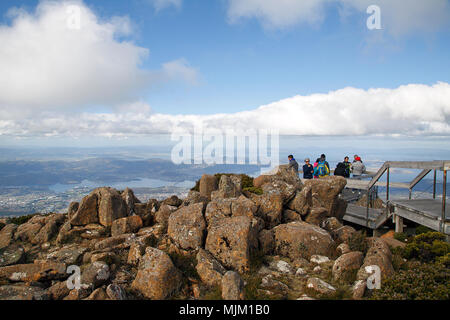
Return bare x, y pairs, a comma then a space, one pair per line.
431, 213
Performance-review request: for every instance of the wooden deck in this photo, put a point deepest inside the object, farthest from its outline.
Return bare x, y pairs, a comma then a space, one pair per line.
358, 215
427, 212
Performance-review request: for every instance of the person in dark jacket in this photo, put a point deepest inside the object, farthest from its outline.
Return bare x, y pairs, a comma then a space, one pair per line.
340, 169
308, 169
293, 164
348, 166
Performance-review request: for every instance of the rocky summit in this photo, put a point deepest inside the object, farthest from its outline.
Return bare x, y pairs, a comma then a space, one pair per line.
280, 239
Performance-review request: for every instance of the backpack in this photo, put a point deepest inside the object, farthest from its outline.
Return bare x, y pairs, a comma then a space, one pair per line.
340, 170
322, 170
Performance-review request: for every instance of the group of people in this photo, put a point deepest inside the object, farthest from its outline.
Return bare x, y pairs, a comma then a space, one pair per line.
321, 168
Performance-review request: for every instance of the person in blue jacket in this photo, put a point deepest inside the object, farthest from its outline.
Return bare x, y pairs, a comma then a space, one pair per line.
308, 169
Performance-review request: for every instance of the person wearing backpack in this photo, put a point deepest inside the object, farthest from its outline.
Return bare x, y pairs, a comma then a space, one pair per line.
314, 168
340, 169
322, 170
324, 158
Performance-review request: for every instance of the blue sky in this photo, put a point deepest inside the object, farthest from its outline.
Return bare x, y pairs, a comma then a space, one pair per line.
241, 62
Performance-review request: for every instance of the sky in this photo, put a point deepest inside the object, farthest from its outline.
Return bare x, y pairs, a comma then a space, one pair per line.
118, 69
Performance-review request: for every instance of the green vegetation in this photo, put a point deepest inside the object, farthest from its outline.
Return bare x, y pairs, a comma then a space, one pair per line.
401, 236
427, 247
2, 225
420, 282
358, 242
22, 219
423, 229
254, 190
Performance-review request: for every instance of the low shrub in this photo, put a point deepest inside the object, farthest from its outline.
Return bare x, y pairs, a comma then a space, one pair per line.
420, 282
254, 190
422, 229
426, 247
22, 219
214, 293
401, 236
358, 242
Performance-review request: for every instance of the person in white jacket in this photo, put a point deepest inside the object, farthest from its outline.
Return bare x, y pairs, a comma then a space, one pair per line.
358, 167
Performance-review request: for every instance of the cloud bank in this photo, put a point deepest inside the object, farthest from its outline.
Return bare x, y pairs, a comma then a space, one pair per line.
399, 17
48, 64
413, 109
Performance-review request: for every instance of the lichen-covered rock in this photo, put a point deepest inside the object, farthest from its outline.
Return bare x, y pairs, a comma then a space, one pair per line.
27, 231
286, 190
187, 226
173, 201
232, 286
208, 184
270, 208
195, 197
49, 230
209, 269
325, 193
23, 293
229, 187
299, 239
343, 234
378, 259
69, 234
318, 259
126, 225
231, 242
157, 277
376, 245
147, 211
163, 214
7, 235
11, 255
266, 239
116, 292
59, 290
70, 254
317, 216
346, 265
217, 210
302, 202
124, 239
38, 271
320, 286
73, 208
103, 205
331, 224
95, 275
290, 216
130, 200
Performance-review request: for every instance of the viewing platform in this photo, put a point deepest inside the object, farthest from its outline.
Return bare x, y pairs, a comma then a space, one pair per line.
432, 213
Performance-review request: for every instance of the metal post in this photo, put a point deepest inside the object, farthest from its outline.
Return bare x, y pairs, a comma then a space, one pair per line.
387, 185
434, 184
410, 194
444, 200
367, 209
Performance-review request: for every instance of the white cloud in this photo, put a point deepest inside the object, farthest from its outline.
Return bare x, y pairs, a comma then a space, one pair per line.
163, 4
398, 16
413, 109
47, 65
277, 14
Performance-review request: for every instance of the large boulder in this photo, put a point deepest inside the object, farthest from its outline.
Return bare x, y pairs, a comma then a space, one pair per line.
270, 208
163, 214
130, 200
378, 254
209, 269
103, 205
286, 190
317, 216
157, 277
27, 231
346, 265
217, 210
95, 274
126, 225
301, 240
50, 229
325, 194
7, 235
187, 226
319, 286
173, 201
243, 207
147, 211
232, 240
38, 271
11, 255
67, 233
22, 292
208, 184
230, 186
195, 197
302, 201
